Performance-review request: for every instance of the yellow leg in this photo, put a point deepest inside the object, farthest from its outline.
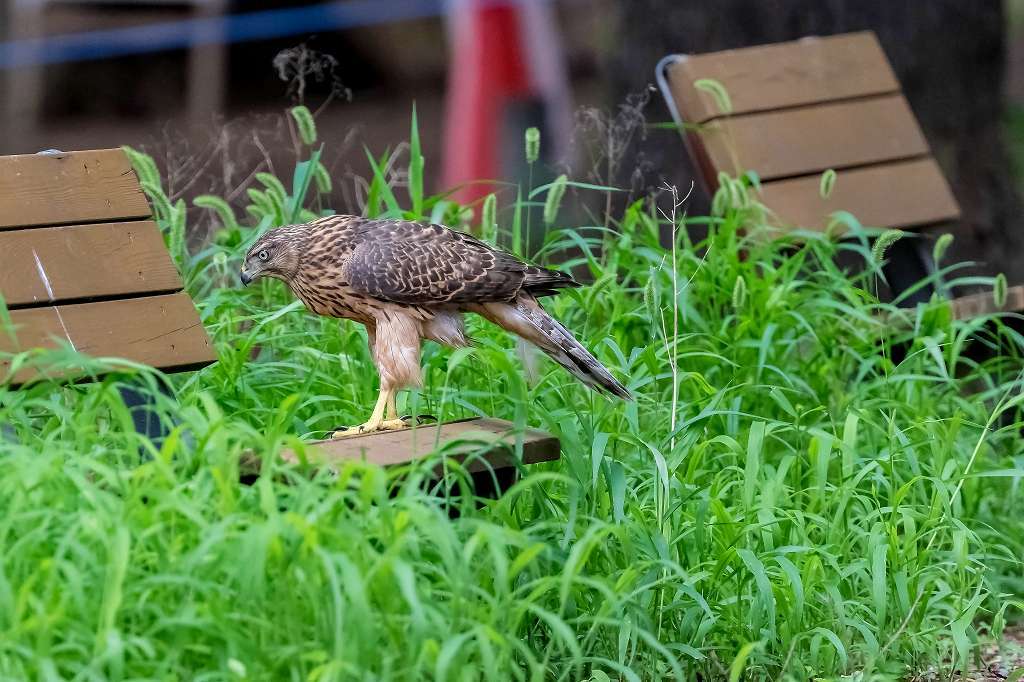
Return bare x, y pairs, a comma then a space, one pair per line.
392, 412
376, 422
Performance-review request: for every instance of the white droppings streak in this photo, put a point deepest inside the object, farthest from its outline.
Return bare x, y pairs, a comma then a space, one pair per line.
42, 275
56, 309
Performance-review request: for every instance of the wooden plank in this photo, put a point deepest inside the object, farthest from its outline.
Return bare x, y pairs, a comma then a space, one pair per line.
78, 187
903, 195
492, 442
160, 331
762, 78
976, 305
84, 261
810, 140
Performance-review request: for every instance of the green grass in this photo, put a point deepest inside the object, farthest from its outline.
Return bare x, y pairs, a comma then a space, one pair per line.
800, 489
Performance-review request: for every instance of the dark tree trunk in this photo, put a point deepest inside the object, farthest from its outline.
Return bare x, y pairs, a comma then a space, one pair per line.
948, 54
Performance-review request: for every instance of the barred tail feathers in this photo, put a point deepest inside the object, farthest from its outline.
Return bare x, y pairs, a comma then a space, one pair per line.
526, 318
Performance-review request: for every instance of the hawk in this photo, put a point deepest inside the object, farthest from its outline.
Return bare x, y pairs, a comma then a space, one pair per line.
408, 281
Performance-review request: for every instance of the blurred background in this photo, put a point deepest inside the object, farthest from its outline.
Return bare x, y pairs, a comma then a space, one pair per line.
203, 84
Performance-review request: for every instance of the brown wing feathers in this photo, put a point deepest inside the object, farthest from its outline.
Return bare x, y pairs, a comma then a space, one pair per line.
409, 262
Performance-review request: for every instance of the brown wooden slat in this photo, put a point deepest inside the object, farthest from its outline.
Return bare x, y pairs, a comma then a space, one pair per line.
160, 331
84, 261
976, 305
800, 141
80, 187
493, 436
903, 195
762, 78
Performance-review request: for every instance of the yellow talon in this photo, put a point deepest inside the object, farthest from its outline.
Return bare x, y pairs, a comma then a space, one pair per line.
368, 427
377, 422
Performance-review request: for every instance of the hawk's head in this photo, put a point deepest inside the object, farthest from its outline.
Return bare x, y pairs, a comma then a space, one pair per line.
275, 254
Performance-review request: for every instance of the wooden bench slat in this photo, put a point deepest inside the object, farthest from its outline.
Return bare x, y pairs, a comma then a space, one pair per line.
768, 77
80, 187
84, 261
813, 139
976, 305
160, 331
901, 195
391, 448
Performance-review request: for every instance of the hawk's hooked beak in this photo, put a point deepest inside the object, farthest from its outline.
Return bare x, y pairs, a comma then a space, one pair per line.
244, 276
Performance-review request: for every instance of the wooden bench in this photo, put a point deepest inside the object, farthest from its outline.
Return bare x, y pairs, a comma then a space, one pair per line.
491, 451
803, 107
83, 263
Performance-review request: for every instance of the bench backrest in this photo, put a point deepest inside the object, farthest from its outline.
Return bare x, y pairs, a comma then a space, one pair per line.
801, 108
81, 261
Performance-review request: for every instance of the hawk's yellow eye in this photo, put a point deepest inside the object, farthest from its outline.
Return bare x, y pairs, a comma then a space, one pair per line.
262, 255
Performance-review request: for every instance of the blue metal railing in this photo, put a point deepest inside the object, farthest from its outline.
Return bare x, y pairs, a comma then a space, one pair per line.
229, 28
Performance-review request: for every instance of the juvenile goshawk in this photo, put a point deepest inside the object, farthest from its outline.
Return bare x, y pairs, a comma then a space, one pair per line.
408, 281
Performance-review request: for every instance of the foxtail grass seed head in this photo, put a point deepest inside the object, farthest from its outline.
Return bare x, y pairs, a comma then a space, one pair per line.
722, 200
718, 93
554, 198
274, 186
738, 194
322, 178
489, 219
942, 244
532, 138
828, 183
157, 197
220, 207
999, 290
884, 241
304, 122
739, 293
144, 166
260, 200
